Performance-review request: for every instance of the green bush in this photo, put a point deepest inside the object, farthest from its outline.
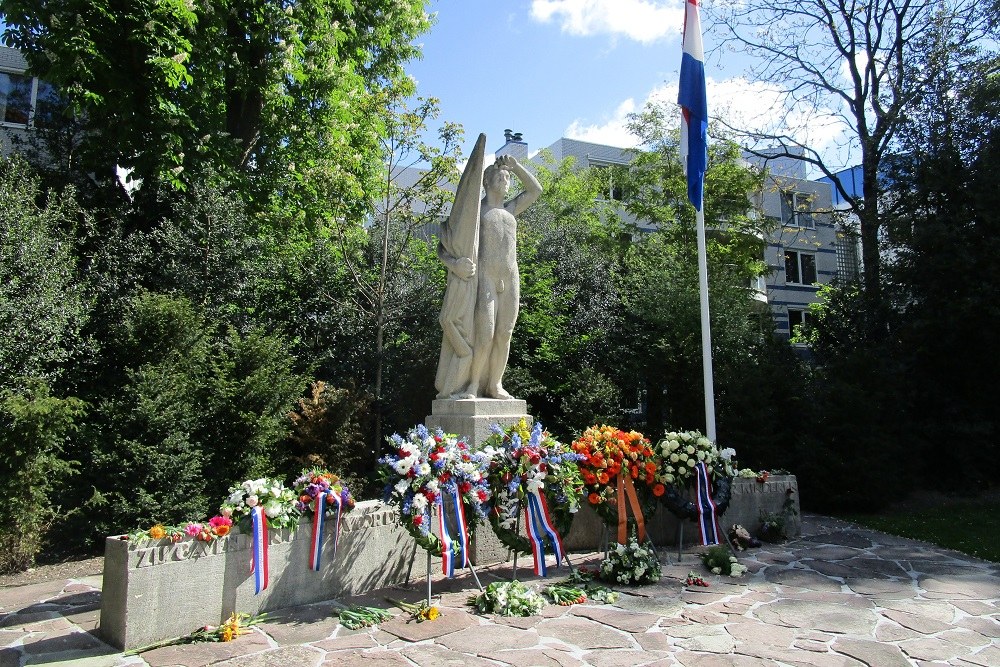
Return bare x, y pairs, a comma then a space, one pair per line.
34, 426
199, 408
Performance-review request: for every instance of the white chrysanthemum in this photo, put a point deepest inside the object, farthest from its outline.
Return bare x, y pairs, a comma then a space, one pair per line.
727, 454
425, 468
432, 485
420, 502
401, 486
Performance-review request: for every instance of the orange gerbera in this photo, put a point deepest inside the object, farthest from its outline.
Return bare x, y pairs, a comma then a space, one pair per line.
222, 531
659, 490
594, 498
157, 532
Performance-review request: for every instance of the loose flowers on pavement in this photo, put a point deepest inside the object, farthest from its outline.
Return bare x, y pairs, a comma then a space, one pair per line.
357, 617
631, 563
719, 560
419, 612
508, 598
236, 626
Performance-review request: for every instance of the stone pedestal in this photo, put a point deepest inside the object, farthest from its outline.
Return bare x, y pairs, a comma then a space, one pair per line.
472, 417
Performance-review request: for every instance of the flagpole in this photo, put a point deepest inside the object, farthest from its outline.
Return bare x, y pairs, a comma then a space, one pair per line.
706, 329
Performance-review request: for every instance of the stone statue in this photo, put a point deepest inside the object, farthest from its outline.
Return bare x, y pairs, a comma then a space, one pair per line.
481, 301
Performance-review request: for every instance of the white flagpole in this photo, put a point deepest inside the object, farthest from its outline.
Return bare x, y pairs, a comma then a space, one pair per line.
706, 329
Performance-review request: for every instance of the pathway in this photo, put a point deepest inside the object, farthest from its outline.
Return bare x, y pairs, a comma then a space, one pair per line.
839, 595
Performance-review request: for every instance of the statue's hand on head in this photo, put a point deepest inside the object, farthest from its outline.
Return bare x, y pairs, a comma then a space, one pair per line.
464, 268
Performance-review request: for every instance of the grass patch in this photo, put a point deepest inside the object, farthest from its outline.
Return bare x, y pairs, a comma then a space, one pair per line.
962, 524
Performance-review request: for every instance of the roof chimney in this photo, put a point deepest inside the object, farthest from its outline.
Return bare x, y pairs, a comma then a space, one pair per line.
514, 145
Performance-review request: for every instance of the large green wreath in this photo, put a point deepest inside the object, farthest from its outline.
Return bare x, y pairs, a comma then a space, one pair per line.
678, 452
519, 456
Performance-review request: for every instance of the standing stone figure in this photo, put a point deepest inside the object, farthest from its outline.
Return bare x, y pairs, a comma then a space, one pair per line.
481, 301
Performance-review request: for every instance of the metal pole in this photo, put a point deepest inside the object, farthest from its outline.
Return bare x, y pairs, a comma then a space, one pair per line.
475, 576
428, 578
706, 330
517, 531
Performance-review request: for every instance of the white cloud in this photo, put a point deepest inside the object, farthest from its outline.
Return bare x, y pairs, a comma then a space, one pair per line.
751, 106
612, 132
642, 20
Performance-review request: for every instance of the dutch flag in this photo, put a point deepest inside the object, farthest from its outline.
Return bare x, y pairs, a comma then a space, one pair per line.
693, 100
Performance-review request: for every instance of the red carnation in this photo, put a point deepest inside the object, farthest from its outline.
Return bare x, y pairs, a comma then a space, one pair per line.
464, 487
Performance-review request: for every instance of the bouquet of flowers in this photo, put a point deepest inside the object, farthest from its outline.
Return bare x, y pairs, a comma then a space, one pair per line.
422, 467
607, 453
631, 564
508, 598
277, 502
718, 560
314, 481
523, 462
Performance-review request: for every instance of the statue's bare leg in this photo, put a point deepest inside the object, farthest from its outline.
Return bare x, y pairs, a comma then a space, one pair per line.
485, 326
506, 316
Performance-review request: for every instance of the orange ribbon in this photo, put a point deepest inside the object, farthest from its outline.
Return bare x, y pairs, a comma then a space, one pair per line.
626, 487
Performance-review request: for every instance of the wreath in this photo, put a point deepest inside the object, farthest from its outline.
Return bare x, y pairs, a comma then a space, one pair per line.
314, 481
678, 452
609, 452
520, 462
425, 466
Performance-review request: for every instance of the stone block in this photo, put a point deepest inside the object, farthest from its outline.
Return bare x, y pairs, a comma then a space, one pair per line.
750, 498
472, 417
157, 590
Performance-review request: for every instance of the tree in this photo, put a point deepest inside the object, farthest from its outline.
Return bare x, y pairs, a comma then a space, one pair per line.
945, 237
268, 89
847, 64
660, 283
390, 262
562, 360
44, 306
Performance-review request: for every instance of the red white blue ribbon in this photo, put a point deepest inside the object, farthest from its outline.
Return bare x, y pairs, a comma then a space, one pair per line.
447, 549
319, 512
539, 525
708, 522
448, 543
258, 554
463, 529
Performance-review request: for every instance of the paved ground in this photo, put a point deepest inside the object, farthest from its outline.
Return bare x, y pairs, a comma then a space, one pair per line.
839, 595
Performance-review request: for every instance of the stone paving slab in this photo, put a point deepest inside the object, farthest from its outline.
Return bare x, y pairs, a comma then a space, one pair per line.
838, 596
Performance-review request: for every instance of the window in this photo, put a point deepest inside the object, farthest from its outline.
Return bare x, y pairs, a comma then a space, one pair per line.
796, 210
25, 100
800, 268
797, 319
612, 190
15, 98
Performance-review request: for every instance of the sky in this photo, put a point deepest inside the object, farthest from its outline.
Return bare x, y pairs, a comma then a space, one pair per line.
569, 68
